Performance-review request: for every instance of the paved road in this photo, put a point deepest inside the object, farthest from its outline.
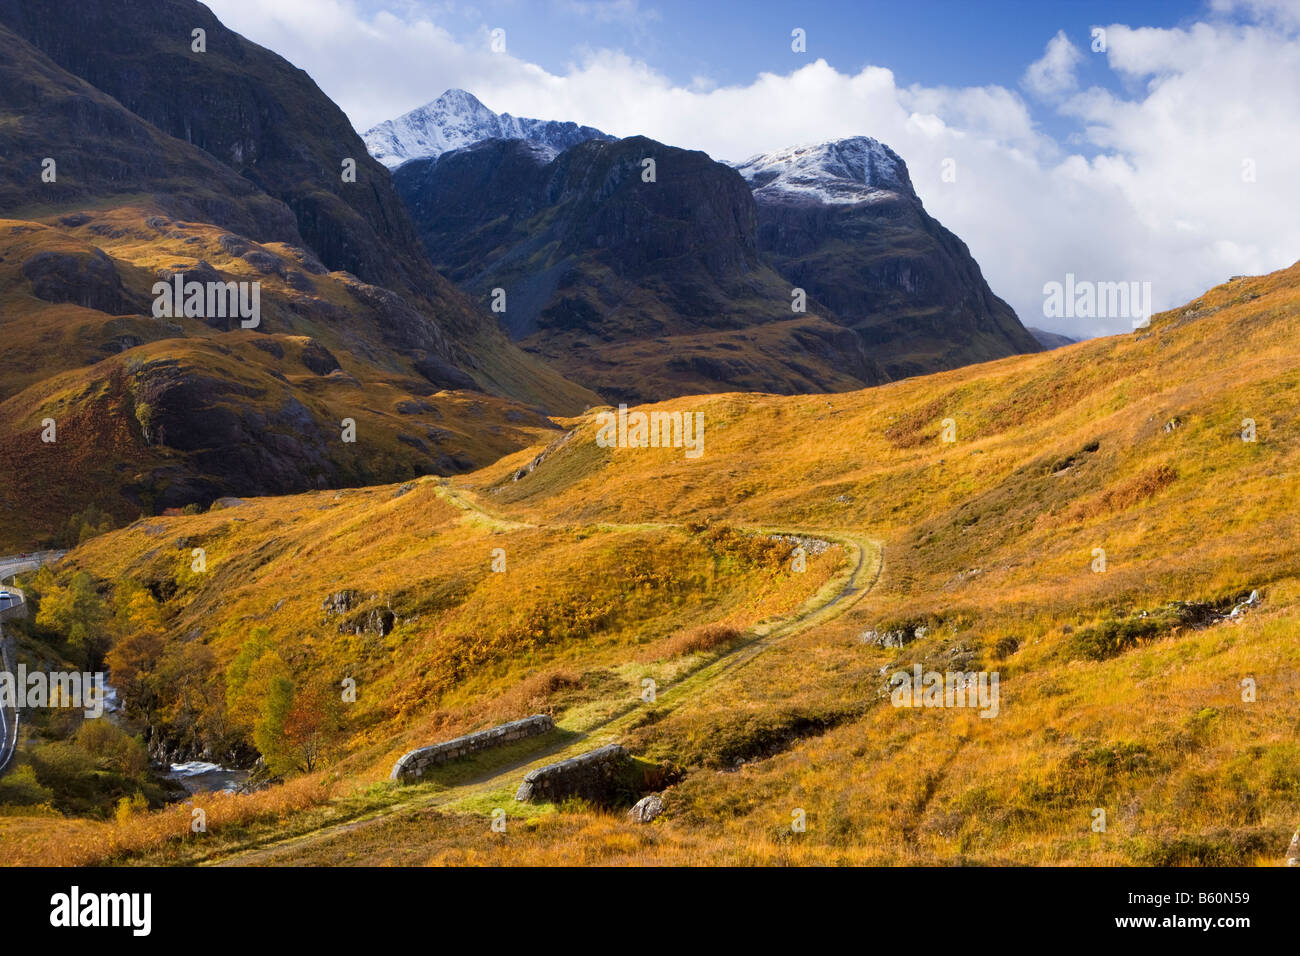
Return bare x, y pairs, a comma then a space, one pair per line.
9, 566
8, 715
18, 564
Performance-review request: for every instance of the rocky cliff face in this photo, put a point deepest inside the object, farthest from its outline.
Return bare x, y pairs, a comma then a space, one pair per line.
842, 221
616, 279
639, 289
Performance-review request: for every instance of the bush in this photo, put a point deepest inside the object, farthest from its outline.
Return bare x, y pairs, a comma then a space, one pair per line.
129, 806
20, 788
697, 640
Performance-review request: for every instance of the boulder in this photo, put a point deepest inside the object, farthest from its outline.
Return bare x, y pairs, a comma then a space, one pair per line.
646, 809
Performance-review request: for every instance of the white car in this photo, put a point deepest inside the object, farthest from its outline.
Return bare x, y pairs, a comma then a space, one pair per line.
8, 599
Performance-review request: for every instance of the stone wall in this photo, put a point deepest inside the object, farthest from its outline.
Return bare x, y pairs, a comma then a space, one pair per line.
593, 776
413, 765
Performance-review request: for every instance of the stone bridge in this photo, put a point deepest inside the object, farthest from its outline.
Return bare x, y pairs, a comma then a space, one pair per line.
596, 775
413, 765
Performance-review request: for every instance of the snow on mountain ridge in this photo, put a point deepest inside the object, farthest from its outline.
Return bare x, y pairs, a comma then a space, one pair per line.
852, 170
457, 119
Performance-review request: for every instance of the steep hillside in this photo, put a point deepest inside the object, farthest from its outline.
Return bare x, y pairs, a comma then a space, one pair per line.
638, 289
1156, 681
152, 413
268, 121
156, 410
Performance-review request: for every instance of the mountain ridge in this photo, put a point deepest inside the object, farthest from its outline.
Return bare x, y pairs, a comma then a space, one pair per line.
837, 224
458, 118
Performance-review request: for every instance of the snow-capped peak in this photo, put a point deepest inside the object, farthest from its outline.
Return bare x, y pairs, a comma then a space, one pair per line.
853, 170
457, 119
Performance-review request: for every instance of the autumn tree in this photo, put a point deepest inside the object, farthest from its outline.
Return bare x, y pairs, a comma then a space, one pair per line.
78, 614
312, 724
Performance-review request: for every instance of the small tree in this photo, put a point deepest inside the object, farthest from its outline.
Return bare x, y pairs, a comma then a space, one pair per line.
269, 732
312, 724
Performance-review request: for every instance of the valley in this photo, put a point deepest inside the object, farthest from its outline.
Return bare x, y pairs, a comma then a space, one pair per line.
1095, 710
322, 447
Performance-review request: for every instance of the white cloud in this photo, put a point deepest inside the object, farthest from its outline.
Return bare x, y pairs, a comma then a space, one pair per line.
1282, 13
1159, 197
1054, 72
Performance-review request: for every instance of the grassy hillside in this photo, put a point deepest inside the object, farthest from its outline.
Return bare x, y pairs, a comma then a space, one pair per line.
158, 413
1121, 689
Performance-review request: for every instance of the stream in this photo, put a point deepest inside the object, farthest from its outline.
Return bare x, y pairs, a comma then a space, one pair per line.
199, 776
195, 776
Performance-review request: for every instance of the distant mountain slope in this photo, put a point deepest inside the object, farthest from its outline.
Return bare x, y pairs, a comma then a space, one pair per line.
456, 119
842, 220
268, 121
638, 289
1051, 340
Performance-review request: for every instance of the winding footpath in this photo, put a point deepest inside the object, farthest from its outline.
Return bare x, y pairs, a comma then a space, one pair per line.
835, 597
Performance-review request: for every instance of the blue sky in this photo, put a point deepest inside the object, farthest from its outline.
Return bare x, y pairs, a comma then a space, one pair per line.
929, 42
1172, 158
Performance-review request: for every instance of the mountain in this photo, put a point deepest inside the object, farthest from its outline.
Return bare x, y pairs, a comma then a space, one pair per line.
268, 121
637, 289
715, 275
458, 119
217, 167
841, 220
1051, 340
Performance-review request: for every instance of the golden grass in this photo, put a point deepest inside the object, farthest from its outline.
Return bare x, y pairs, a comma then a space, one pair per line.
46, 841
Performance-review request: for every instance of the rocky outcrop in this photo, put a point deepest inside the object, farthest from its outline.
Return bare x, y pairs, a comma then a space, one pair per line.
90, 281
413, 765
377, 619
895, 637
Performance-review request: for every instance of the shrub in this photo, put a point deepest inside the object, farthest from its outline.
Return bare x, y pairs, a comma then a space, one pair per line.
697, 640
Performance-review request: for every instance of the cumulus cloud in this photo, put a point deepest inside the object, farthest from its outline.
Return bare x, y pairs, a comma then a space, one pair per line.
1054, 72
1191, 175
